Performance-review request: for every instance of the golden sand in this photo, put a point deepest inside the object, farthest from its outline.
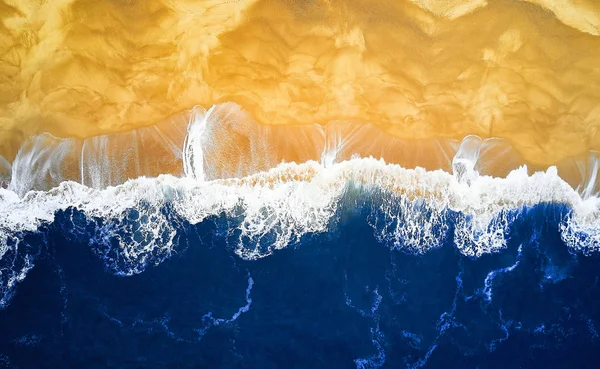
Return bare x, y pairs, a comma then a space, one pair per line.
527, 71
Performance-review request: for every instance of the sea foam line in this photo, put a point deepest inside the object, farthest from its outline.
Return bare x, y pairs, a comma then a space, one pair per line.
295, 199
280, 205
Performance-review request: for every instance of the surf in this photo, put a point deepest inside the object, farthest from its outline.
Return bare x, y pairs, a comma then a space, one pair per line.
275, 191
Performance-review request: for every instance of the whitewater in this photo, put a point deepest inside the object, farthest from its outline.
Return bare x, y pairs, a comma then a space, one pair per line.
133, 224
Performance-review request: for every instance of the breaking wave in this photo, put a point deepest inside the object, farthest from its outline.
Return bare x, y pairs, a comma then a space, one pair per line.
269, 187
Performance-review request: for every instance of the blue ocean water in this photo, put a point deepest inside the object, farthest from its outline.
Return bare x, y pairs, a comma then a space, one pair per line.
349, 258
344, 298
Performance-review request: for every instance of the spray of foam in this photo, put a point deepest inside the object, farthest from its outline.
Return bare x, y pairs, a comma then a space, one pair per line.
411, 207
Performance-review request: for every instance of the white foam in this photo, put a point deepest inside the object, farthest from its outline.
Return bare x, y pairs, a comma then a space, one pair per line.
281, 205
294, 199
14, 269
411, 207
41, 163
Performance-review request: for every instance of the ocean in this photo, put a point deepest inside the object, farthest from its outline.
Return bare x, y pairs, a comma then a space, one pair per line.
354, 263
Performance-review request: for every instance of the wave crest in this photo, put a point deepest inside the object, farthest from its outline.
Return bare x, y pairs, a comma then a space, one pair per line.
136, 224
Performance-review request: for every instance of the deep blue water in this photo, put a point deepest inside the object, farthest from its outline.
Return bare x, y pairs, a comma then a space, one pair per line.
339, 299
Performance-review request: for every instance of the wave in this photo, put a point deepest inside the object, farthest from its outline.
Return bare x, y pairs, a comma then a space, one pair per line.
244, 174
231, 144
44, 161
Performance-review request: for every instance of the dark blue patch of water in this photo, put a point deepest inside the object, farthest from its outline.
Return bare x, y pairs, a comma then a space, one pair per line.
339, 299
